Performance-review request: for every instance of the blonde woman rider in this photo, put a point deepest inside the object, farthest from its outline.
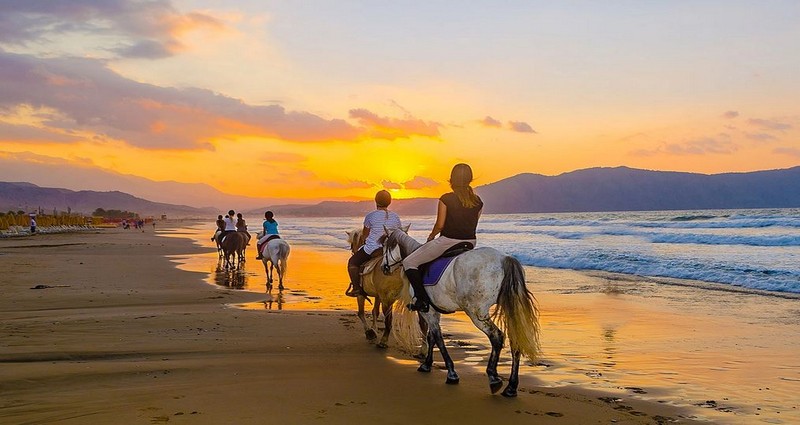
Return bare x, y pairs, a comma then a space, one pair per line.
456, 221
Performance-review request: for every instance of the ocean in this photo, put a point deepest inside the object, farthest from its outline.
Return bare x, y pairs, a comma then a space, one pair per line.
692, 308
746, 249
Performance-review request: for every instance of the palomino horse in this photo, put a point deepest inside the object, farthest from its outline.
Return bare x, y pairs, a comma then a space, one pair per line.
385, 288
233, 245
275, 255
472, 283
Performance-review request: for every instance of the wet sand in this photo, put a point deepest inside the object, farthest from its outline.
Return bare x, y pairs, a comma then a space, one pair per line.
119, 335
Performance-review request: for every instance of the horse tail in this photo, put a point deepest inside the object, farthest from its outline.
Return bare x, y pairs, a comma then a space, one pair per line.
517, 311
283, 257
405, 323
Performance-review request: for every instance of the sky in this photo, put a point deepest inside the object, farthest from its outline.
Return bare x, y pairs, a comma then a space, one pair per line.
336, 99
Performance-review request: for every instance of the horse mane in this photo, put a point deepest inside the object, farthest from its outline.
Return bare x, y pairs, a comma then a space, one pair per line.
400, 237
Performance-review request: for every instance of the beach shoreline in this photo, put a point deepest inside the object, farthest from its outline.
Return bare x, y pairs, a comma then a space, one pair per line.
120, 335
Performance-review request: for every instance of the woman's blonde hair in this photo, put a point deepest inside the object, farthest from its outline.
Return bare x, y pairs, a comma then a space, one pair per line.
460, 178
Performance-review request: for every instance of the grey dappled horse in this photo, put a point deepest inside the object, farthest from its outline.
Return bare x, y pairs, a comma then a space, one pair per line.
473, 282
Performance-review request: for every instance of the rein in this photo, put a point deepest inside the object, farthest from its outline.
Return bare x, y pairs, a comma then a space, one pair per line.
388, 257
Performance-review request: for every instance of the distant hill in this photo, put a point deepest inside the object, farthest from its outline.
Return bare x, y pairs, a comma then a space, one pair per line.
593, 189
629, 189
29, 197
602, 189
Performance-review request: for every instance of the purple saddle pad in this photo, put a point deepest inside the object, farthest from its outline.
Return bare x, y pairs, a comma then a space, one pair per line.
433, 271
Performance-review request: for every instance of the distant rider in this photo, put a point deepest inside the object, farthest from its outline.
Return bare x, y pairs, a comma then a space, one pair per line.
220, 228
270, 226
241, 226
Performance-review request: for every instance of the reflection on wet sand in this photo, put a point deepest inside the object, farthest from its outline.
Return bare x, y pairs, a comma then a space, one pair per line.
230, 278
274, 302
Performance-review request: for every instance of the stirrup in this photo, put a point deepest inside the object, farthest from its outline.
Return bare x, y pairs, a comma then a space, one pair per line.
354, 292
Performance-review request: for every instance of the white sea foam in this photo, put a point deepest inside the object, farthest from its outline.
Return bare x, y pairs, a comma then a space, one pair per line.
758, 249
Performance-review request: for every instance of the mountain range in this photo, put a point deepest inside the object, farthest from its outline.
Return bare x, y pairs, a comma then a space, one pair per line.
593, 189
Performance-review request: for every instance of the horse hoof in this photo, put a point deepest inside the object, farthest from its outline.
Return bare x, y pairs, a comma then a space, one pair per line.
510, 392
425, 368
371, 334
383, 345
494, 386
451, 381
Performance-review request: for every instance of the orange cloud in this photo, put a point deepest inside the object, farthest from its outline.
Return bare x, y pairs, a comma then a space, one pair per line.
394, 128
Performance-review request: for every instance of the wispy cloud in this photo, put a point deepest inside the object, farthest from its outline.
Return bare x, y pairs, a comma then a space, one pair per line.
704, 145
790, 151
144, 29
394, 128
419, 182
521, 127
760, 137
491, 122
391, 185
351, 184
730, 114
769, 124
720, 144
84, 94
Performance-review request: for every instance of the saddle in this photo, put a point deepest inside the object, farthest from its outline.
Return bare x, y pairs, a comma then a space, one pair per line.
433, 271
261, 246
375, 258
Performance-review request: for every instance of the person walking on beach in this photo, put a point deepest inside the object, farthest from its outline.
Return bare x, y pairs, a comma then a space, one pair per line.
241, 226
33, 224
374, 223
456, 221
270, 226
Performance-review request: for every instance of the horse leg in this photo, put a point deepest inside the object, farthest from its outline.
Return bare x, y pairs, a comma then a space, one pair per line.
513, 379
426, 365
369, 332
436, 331
280, 275
376, 311
387, 324
266, 272
426, 343
496, 338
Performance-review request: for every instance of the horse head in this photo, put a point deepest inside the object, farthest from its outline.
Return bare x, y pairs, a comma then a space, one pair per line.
353, 236
392, 253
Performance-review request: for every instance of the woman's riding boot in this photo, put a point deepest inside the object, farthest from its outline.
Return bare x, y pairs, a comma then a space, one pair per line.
421, 301
355, 289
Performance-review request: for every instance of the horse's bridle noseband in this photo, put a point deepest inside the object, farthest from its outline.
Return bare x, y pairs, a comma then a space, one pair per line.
386, 267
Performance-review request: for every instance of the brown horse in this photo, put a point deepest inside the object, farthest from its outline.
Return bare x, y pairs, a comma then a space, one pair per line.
385, 288
233, 244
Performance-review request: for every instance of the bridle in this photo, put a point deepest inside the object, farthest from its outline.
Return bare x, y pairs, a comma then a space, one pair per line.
389, 260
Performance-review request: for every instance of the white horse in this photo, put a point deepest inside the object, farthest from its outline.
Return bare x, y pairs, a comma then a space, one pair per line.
472, 283
275, 255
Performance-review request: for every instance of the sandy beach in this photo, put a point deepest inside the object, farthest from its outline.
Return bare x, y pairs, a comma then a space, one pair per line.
118, 334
